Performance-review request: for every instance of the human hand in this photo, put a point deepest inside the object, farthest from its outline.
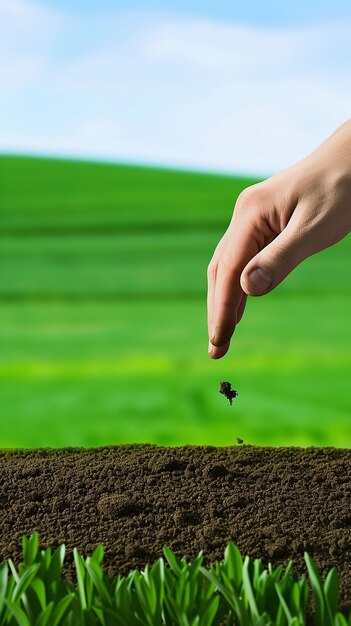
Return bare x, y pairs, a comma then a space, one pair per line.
277, 224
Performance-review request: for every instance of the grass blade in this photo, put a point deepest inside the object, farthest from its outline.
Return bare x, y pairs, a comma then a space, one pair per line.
231, 597
340, 620
319, 615
4, 570
98, 555
95, 574
80, 571
30, 548
24, 582
60, 609
39, 588
44, 617
210, 612
175, 564
18, 614
283, 603
248, 588
234, 563
331, 592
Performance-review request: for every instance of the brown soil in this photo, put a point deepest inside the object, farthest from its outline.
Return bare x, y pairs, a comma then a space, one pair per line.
273, 502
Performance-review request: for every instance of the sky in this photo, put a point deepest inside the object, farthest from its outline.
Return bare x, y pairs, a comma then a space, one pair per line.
246, 87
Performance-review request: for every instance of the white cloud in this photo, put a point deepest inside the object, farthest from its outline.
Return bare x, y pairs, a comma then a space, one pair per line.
169, 90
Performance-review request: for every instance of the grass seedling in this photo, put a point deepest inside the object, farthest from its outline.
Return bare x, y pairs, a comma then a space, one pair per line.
236, 592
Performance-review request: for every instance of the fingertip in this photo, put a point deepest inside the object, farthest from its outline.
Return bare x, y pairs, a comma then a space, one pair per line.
223, 337
216, 352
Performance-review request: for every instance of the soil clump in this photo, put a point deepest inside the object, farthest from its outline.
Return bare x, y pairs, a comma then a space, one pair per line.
227, 391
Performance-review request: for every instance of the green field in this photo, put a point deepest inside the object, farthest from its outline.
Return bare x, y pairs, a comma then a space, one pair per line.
103, 318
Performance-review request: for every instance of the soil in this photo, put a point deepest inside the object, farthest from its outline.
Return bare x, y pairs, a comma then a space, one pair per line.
273, 502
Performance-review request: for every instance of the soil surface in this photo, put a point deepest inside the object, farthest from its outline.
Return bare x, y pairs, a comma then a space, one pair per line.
273, 502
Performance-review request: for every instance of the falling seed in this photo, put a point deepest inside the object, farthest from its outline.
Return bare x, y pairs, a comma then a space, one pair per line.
227, 391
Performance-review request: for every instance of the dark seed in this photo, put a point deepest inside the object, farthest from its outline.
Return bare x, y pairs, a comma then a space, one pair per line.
227, 391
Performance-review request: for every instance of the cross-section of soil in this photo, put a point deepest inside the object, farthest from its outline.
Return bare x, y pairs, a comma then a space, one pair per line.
273, 502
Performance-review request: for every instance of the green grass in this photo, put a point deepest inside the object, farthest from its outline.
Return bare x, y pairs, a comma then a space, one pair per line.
48, 194
237, 592
103, 281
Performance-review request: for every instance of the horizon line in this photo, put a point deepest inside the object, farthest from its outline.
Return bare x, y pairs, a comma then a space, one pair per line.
115, 161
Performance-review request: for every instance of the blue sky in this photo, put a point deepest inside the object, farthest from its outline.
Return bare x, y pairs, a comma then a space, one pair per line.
271, 12
232, 86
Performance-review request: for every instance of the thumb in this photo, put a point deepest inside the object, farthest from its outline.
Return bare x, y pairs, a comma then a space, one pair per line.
272, 264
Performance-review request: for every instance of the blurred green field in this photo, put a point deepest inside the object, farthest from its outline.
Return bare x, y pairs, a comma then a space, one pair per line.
103, 318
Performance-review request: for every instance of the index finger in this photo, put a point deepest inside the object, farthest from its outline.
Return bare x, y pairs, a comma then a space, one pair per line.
241, 246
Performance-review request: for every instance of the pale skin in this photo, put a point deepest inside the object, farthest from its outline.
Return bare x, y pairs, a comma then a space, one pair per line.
276, 225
